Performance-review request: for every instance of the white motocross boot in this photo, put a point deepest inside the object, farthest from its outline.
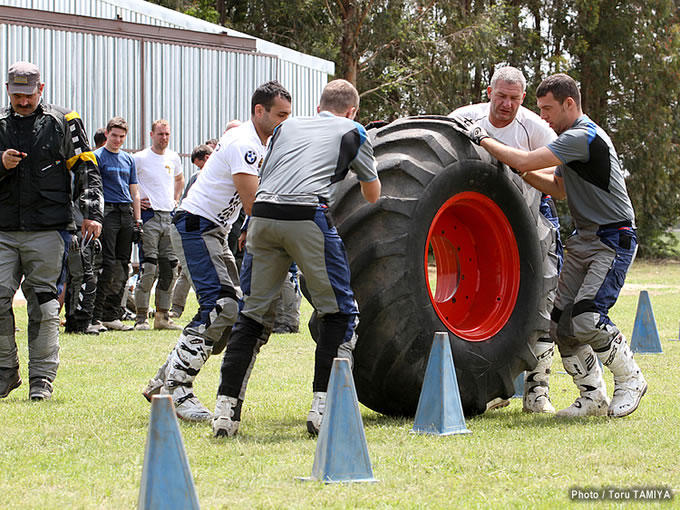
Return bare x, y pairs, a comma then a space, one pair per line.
587, 374
537, 381
152, 388
155, 384
187, 406
315, 416
224, 423
184, 364
629, 383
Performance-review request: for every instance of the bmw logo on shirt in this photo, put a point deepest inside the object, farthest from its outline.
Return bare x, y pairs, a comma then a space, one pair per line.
250, 157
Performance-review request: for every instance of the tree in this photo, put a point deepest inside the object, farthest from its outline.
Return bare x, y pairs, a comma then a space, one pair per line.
626, 56
412, 57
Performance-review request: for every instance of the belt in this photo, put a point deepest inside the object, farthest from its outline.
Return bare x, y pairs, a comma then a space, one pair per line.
283, 211
618, 224
178, 216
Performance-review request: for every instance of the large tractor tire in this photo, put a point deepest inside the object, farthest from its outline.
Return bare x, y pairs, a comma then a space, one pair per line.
446, 203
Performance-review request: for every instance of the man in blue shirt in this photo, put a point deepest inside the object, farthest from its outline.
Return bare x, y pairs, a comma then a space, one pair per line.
122, 224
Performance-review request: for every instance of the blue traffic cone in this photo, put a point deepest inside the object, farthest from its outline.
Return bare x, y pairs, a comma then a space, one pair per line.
341, 450
166, 478
645, 339
440, 411
519, 385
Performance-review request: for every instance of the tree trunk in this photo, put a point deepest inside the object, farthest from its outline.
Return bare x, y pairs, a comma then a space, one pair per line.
348, 44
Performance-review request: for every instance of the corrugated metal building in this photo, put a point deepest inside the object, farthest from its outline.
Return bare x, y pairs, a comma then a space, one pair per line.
142, 62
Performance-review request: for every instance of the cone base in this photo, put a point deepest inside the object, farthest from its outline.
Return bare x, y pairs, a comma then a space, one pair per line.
354, 480
437, 433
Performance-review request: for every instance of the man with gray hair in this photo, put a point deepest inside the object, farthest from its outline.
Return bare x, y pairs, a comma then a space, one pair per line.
291, 222
45, 161
599, 253
516, 126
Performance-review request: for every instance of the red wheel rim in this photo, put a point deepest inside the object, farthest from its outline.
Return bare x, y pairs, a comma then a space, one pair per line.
478, 271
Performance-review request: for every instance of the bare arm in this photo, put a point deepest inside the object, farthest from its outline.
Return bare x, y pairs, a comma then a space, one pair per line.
546, 181
371, 190
179, 187
521, 160
246, 185
136, 208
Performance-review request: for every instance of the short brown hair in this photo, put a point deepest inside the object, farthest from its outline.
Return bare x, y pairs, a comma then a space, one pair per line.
561, 86
200, 152
117, 122
338, 96
100, 137
159, 122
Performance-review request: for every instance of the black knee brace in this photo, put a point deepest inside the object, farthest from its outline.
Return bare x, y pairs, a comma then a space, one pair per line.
166, 273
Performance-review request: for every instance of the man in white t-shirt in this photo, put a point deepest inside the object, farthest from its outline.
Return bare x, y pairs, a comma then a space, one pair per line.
507, 120
161, 182
599, 252
227, 182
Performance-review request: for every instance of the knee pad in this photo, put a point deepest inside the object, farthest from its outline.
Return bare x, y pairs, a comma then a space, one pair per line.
337, 328
166, 273
588, 328
246, 326
6, 297
226, 308
6, 312
562, 325
148, 266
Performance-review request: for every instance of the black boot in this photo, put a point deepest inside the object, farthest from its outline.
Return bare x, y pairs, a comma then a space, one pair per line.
10, 379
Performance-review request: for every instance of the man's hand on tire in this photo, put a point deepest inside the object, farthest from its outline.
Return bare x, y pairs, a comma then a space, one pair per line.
473, 131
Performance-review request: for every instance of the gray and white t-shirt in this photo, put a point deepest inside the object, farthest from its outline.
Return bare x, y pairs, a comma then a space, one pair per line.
593, 178
307, 155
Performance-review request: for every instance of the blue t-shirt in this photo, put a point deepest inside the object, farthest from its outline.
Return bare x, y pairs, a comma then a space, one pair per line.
118, 172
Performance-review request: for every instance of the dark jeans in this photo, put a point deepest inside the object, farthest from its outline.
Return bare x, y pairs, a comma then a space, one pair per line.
116, 242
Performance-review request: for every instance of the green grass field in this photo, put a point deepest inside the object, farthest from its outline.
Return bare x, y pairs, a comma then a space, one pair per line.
85, 447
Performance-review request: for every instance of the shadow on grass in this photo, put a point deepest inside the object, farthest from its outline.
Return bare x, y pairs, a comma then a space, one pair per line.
294, 429
513, 419
383, 420
504, 419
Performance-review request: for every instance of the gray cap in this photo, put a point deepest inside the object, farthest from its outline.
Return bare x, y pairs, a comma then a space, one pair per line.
23, 78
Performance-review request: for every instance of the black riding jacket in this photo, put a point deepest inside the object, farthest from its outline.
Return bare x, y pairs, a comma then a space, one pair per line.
37, 194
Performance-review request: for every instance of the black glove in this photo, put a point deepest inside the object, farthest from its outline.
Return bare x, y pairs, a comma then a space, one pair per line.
137, 232
75, 243
473, 131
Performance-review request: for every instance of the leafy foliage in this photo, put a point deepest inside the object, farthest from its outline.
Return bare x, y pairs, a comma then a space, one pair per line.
410, 57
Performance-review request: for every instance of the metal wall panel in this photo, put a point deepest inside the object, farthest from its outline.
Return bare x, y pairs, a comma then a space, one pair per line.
93, 8
95, 75
302, 76
198, 90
